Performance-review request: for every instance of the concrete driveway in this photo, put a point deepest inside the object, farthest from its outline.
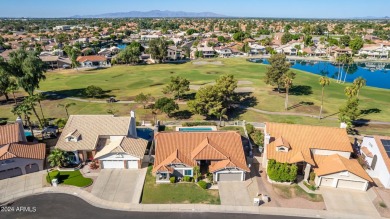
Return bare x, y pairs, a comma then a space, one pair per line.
119, 185
348, 201
234, 193
21, 184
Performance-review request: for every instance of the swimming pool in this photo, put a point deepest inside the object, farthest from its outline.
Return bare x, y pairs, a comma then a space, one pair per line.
145, 133
196, 129
27, 133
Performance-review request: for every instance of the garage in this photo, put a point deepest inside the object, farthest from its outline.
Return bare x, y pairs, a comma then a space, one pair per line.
326, 181
10, 173
230, 176
132, 164
113, 164
348, 184
31, 168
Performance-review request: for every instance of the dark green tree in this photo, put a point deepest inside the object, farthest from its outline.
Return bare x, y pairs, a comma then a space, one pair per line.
166, 105
278, 67
177, 85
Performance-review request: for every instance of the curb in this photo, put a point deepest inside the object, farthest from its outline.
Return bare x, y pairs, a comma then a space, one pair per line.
194, 208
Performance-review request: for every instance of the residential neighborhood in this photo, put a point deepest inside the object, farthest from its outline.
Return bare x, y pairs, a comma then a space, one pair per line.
235, 113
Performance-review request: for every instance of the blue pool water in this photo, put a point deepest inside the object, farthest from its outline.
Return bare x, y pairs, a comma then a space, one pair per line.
121, 46
27, 133
377, 74
145, 133
195, 129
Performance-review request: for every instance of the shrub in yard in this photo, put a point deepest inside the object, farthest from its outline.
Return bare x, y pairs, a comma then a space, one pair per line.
309, 186
3, 122
202, 184
93, 91
189, 124
249, 128
257, 137
210, 177
312, 176
172, 179
187, 179
281, 172
94, 165
382, 204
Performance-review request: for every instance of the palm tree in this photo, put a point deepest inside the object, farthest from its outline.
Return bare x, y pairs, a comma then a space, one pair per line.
350, 91
12, 88
359, 83
66, 106
324, 81
24, 109
31, 101
221, 115
56, 158
288, 80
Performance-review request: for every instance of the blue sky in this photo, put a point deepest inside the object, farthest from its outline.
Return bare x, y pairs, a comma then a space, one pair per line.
242, 8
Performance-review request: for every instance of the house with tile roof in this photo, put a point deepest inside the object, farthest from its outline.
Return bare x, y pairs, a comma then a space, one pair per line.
326, 151
219, 153
17, 156
376, 153
109, 139
93, 61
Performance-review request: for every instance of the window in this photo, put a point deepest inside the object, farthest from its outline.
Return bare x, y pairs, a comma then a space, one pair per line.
187, 172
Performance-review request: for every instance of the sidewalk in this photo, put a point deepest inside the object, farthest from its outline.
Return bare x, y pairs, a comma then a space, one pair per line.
97, 202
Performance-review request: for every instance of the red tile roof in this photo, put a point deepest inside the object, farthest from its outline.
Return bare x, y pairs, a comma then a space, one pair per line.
23, 150
91, 58
189, 147
9, 133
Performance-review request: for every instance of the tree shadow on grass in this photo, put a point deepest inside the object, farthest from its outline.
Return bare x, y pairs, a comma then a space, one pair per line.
77, 93
188, 96
246, 99
300, 90
370, 111
302, 103
183, 114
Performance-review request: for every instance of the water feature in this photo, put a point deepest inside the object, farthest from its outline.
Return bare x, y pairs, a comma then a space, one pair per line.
121, 46
377, 74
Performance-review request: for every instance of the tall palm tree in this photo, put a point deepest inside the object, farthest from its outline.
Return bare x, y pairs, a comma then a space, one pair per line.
324, 81
66, 106
287, 79
24, 109
12, 88
32, 102
359, 83
56, 158
350, 91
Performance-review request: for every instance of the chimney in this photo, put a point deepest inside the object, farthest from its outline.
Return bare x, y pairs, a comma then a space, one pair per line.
267, 139
22, 136
132, 129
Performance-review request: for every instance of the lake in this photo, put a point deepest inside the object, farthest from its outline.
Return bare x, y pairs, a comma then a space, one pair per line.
377, 74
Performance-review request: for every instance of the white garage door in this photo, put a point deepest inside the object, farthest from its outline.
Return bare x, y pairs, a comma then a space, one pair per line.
113, 164
326, 181
132, 164
347, 184
229, 177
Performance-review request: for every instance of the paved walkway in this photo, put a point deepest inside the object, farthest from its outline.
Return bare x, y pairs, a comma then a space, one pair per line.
234, 193
344, 200
20, 184
119, 185
302, 185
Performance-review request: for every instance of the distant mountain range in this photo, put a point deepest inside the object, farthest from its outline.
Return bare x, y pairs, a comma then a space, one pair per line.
152, 14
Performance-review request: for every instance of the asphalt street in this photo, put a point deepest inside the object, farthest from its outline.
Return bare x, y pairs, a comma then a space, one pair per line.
69, 207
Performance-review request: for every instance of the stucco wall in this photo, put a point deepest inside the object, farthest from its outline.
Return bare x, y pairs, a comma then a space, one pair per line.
22, 163
381, 172
330, 152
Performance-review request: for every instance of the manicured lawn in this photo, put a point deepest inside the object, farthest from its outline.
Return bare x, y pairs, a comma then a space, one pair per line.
178, 193
124, 82
294, 191
73, 178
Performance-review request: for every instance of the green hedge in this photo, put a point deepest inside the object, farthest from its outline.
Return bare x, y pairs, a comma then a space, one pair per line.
189, 124
281, 172
172, 179
202, 184
187, 179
